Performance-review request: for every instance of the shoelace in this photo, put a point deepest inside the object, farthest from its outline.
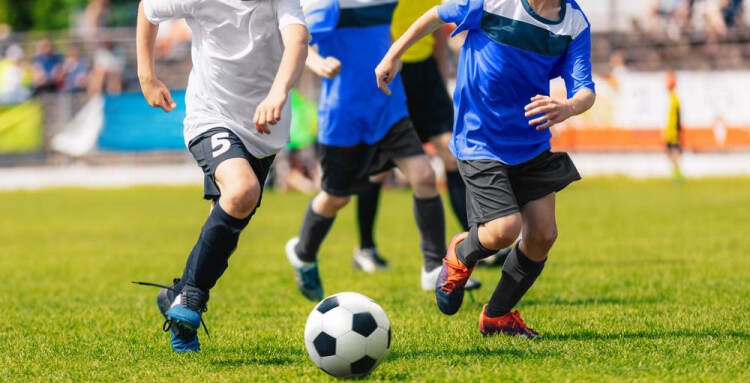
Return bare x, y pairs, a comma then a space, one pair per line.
168, 323
519, 323
450, 283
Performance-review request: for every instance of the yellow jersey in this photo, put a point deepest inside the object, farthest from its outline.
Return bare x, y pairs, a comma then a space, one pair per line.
672, 131
406, 13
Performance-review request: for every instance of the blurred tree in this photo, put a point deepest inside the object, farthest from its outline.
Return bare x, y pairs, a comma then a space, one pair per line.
46, 15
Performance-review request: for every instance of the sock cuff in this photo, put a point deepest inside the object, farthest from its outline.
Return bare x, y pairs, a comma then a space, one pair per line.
524, 261
428, 200
317, 215
474, 238
235, 223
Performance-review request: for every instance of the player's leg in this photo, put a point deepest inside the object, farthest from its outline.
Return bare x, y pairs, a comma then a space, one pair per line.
674, 152
495, 218
456, 186
366, 256
302, 251
342, 172
234, 182
535, 183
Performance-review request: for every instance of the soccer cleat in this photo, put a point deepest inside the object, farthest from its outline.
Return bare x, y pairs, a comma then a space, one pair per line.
368, 260
508, 324
450, 286
185, 317
429, 280
305, 273
184, 337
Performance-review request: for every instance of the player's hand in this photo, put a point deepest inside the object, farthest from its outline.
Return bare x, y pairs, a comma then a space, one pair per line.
385, 72
269, 111
552, 111
329, 68
157, 94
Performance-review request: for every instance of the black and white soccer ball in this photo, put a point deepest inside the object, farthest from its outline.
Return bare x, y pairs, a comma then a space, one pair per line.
347, 335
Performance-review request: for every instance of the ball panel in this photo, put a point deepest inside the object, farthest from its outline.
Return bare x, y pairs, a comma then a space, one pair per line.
336, 366
337, 322
327, 304
363, 366
363, 323
377, 344
351, 346
354, 302
313, 326
324, 344
379, 315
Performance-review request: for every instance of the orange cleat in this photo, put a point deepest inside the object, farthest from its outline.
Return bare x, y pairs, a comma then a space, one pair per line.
508, 324
449, 290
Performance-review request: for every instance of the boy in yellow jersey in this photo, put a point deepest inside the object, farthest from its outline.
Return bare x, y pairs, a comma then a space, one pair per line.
673, 129
431, 110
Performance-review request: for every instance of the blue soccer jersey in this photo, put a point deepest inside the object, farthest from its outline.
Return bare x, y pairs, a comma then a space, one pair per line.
358, 33
510, 55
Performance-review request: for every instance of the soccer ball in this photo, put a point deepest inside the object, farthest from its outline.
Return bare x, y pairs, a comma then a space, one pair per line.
347, 335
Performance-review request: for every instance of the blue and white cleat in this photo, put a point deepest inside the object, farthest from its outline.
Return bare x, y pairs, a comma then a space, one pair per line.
305, 273
184, 317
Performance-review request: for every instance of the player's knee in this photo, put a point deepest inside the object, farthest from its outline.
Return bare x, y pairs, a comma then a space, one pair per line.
328, 205
241, 199
423, 179
502, 232
542, 238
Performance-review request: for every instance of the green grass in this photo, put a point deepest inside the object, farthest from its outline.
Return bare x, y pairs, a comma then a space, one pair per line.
647, 282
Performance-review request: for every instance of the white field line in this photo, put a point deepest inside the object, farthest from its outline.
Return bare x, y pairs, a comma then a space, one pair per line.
635, 165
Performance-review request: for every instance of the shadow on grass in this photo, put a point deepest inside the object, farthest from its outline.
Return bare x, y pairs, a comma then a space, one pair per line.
587, 335
254, 361
589, 301
479, 352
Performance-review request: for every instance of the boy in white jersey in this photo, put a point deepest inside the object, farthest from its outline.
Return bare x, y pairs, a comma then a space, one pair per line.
246, 57
501, 137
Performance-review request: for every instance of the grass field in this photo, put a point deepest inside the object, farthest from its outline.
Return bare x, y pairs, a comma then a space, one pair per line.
647, 282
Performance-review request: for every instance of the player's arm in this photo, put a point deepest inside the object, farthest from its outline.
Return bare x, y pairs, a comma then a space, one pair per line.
552, 111
295, 38
155, 92
386, 71
440, 51
328, 67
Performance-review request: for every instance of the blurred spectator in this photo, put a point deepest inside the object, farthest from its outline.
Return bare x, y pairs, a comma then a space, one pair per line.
47, 67
15, 77
75, 71
106, 75
95, 17
672, 16
173, 40
733, 12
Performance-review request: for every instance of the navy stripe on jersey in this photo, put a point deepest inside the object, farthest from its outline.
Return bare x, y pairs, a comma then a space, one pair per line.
523, 35
366, 16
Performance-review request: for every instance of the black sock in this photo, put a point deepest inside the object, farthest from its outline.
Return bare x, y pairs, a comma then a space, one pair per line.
519, 273
428, 212
367, 210
470, 250
314, 229
210, 255
457, 194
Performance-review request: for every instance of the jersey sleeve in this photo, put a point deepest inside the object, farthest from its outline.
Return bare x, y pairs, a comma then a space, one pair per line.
321, 17
289, 12
466, 14
576, 68
159, 11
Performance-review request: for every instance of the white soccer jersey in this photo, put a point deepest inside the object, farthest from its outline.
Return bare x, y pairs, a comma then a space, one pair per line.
236, 52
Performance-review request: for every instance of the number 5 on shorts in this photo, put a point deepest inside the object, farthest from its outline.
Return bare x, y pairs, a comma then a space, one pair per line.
220, 143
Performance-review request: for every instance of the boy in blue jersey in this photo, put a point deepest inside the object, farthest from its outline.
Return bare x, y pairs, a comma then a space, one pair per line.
362, 132
501, 137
